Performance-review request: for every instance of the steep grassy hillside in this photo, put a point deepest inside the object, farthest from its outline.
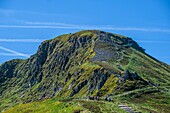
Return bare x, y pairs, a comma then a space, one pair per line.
86, 63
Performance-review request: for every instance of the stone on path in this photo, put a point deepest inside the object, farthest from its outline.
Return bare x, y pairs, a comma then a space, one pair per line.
127, 108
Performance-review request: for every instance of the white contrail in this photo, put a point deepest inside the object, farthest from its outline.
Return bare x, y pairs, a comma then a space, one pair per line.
87, 27
10, 54
14, 52
21, 40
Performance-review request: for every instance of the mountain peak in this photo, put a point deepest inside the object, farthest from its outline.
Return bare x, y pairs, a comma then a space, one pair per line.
97, 32
93, 36
89, 62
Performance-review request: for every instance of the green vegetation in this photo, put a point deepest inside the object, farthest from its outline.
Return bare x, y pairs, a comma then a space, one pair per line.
146, 100
109, 86
66, 106
86, 63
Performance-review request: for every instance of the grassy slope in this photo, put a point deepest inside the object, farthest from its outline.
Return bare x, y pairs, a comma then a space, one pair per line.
148, 68
149, 99
157, 102
146, 100
133, 60
66, 106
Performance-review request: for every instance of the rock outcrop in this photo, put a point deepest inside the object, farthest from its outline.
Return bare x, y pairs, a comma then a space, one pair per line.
83, 63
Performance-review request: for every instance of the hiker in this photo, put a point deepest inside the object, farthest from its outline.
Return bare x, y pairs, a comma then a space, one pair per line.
97, 98
109, 99
91, 97
106, 99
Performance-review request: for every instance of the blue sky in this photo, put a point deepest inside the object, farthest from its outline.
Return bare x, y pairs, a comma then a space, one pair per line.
24, 24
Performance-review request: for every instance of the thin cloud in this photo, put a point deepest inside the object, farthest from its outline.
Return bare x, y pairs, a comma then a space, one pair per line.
55, 25
22, 40
49, 23
11, 13
41, 40
151, 41
10, 54
69, 26
14, 52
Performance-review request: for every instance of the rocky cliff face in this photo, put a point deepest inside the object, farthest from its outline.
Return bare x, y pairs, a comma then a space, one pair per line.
84, 63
